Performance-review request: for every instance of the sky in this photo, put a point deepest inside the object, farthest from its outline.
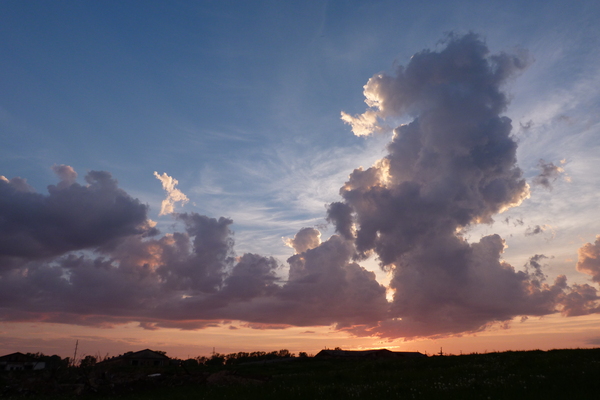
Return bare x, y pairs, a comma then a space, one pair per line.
242, 176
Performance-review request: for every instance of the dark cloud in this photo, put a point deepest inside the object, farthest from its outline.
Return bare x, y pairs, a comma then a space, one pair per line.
18, 184
580, 300
534, 267
70, 217
453, 166
189, 280
536, 230
549, 173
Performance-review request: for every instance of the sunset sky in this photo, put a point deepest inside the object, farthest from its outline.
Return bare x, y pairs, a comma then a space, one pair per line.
259, 175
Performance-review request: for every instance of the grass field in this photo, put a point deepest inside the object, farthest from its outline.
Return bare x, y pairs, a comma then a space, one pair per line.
555, 374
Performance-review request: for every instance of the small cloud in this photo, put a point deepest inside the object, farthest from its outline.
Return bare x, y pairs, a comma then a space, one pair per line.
262, 327
549, 174
535, 230
519, 222
150, 326
67, 175
173, 195
363, 124
515, 221
564, 118
534, 267
305, 239
593, 341
547, 230
526, 126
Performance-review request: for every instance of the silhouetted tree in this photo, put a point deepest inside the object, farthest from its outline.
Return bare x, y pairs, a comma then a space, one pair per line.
217, 359
88, 361
190, 362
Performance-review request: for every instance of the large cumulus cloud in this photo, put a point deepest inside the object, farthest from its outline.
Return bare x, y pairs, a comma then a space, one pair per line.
452, 166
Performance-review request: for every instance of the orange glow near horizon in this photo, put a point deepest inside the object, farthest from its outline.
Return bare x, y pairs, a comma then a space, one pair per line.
551, 332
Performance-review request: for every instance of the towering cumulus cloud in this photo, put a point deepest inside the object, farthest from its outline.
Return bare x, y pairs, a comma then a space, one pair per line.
453, 166
87, 254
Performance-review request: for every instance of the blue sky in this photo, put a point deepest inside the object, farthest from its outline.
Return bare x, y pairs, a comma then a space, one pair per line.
240, 102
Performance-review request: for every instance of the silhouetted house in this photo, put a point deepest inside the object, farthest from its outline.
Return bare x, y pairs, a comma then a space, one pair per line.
20, 362
367, 354
142, 358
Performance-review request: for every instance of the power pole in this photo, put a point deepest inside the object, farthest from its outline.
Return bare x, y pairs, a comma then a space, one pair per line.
75, 354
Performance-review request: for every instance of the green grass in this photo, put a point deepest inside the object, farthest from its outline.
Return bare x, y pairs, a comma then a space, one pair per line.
556, 374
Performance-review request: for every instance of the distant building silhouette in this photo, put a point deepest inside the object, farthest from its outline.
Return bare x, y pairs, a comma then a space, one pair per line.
20, 362
142, 358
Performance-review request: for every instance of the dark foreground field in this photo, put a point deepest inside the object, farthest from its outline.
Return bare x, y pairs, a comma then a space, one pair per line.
555, 374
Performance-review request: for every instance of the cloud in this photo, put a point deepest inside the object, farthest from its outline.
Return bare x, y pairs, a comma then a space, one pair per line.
191, 281
88, 255
426, 83
18, 184
363, 124
67, 175
453, 166
534, 267
549, 174
539, 229
589, 259
173, 195
593, 341
305, 239
70, 217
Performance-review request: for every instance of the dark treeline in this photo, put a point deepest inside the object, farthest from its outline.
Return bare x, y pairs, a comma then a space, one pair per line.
241, 357
216, 359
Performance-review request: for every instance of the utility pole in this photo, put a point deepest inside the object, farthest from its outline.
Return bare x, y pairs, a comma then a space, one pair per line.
75, 354
441, 352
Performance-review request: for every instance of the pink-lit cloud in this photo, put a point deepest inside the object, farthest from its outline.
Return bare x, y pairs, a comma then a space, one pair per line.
174, 195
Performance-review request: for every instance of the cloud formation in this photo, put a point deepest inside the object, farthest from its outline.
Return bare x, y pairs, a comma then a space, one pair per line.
589, 259
174, 195
86, 254
305, 239
70, 217
549, 173
452, 166
190, 279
